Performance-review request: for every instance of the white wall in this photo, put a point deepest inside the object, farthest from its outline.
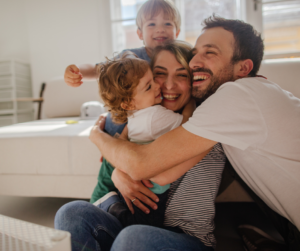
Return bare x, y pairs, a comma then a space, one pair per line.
13, 30
51, 34
61, 32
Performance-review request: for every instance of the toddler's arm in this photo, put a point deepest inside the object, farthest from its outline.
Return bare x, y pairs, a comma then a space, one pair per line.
176, 172
75, 74
188, 110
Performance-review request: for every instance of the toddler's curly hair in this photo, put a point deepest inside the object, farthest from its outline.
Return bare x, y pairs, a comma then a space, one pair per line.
117, 82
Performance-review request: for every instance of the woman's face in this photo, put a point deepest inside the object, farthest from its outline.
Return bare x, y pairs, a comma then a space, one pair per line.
173, 80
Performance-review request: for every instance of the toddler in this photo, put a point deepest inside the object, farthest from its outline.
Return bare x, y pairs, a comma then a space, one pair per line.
128, 89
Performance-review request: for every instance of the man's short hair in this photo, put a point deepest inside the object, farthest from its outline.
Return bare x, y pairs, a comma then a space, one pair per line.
152, 8
248, 42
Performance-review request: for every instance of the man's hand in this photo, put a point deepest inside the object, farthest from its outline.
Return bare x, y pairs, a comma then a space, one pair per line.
134, 190
73, 76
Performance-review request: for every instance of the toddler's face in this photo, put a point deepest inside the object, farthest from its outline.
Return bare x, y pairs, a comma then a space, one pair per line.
157, 31
147, 93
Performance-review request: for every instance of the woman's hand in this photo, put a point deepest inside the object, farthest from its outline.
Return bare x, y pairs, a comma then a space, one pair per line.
134, 190
98, 128
124, 134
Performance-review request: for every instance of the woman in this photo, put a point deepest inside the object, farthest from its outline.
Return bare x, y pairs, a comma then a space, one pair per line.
93, 228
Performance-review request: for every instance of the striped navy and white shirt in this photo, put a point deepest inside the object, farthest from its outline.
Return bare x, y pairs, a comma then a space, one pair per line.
191, 203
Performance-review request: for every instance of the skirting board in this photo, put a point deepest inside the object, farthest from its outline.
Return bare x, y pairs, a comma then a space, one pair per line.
47, 185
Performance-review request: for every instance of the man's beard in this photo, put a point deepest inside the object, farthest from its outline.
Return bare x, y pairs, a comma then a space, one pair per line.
221, 77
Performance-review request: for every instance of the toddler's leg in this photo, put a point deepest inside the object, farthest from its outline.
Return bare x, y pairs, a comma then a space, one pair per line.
107, 201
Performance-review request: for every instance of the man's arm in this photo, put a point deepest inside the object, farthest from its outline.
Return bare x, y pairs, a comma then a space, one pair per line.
146, 161
176, 172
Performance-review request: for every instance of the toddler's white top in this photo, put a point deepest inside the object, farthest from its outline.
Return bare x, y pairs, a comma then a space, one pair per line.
148, 124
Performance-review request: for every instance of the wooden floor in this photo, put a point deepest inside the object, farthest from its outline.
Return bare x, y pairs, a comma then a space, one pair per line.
32, 209
228, 216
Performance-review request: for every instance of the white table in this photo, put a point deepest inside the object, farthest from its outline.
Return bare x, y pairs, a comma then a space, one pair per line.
48, 158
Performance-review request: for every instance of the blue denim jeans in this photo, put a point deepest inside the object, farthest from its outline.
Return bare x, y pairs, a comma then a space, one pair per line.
148, 238
93, 229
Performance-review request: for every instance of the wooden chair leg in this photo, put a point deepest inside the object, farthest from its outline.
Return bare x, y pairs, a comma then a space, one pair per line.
43, 86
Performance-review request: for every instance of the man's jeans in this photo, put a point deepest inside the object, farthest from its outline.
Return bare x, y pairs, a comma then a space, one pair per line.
288, 231
92, 228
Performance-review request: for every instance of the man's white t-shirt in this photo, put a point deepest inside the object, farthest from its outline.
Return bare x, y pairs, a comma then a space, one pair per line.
258, 125
150, 123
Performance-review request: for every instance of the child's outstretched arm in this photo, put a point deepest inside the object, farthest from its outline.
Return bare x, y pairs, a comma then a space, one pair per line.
176, 172
188, 110
74, 75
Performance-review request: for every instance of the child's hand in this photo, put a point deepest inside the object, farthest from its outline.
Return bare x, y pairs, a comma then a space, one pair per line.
73, 76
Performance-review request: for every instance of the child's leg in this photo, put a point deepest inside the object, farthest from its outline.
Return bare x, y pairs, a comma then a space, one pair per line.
154, 218
105, 184
107, 200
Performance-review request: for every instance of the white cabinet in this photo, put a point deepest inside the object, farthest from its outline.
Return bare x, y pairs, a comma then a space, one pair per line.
15, 83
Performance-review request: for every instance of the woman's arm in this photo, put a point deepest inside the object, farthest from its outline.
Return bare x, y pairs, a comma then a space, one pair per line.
176, 172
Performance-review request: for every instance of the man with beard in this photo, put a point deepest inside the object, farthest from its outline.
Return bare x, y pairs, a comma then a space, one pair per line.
255, 120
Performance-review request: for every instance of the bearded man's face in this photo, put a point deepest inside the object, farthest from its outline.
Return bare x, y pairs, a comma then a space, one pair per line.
211, 65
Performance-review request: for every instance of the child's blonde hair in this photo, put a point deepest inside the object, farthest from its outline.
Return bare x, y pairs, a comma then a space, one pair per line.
117, 82
152, 8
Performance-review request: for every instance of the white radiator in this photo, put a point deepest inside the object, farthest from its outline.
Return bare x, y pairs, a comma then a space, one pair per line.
17, 235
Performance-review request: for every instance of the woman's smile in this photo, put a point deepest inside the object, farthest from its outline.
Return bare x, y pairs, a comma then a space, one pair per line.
173, 79
170, 97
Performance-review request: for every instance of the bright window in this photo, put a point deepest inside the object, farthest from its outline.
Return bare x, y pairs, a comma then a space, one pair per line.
281, 21
193, 12
123, 14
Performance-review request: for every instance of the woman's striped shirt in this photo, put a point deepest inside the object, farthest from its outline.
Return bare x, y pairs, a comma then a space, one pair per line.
191, 203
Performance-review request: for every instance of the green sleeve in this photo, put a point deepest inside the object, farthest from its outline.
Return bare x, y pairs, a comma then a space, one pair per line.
105, 184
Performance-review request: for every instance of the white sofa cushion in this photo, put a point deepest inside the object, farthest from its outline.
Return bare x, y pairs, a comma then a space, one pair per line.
284, 72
